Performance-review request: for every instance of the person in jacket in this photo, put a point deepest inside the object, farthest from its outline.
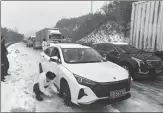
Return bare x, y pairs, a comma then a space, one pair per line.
4, 59
44, 44
45, 82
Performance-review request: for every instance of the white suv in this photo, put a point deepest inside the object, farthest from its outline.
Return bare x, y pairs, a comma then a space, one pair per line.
83, 75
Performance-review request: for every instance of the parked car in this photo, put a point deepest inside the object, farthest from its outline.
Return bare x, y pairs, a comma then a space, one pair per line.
159, 54
30, 41
140, 64
37, 45
83, 76
24, 41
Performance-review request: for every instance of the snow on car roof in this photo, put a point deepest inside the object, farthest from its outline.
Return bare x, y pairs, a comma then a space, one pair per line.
69, 45
115, 43
120, 43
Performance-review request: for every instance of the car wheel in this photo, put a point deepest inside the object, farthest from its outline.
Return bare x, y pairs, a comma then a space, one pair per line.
40, 68
66, 95
128, 68
153, 76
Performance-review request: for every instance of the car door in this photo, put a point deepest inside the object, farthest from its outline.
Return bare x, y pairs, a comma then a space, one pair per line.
45, 59
55, 66
111, 53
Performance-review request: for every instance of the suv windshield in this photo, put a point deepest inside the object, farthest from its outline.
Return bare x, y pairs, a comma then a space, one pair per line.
128, 49
81, 55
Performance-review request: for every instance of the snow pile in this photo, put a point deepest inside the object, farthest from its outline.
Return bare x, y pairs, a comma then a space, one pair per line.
14, 92
109, 32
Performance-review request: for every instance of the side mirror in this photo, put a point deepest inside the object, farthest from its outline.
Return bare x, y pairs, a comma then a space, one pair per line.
104, 56
54, 59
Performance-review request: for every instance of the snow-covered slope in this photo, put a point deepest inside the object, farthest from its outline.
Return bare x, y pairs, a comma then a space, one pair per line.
108, 32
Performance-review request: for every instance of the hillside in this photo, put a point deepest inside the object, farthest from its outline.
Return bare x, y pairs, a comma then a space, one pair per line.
110, 24
11, 35
77, 28
108, 32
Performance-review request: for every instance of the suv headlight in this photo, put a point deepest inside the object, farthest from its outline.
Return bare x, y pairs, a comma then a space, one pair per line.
138, 61
84, 81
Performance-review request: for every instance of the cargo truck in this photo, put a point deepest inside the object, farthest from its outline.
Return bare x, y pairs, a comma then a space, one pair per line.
146, 30
52, 35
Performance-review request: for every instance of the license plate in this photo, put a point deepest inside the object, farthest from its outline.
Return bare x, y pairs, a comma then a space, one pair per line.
117, 93
158, 70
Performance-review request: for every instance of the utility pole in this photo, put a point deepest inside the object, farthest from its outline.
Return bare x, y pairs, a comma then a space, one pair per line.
91, 7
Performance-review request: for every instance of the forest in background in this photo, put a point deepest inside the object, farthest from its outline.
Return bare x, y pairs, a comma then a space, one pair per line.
11, 35
79, 27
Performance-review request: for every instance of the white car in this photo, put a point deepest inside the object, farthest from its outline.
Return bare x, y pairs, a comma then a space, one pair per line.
83, 76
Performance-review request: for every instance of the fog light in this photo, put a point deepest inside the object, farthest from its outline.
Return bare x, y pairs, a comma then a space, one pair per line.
81, 94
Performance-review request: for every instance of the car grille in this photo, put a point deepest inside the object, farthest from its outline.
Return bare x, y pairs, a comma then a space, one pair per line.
103, 89
154, 63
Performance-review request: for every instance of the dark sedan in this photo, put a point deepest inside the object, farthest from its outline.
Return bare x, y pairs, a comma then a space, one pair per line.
139, 63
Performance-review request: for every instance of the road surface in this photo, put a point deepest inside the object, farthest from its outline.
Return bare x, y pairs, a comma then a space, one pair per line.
146, 96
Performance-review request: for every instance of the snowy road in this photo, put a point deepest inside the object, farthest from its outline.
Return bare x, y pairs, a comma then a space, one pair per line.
145, 95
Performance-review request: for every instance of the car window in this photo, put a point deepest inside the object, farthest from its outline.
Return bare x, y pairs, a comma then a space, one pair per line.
100, 47
109, 48
94, 46
54, 52
47, 51
58, 53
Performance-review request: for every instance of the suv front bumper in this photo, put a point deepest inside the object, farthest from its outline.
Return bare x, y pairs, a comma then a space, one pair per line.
151, 71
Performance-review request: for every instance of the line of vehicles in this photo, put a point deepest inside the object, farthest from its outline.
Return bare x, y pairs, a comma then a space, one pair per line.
102, 71
51, 35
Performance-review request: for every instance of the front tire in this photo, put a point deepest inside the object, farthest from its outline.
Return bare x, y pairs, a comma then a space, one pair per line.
66, 95
153, 76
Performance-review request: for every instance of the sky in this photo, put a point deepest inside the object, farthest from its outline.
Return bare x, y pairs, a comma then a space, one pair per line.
30, 16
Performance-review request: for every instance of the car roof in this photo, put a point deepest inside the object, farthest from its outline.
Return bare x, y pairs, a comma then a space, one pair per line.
115, 43
68, 45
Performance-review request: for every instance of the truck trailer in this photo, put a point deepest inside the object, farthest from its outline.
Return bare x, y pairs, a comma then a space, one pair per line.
52, 35
146, 30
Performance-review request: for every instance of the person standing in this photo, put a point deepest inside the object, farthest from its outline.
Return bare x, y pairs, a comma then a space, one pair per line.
4, 59
44, 44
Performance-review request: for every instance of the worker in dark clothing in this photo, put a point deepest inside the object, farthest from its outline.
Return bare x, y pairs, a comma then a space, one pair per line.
4, 59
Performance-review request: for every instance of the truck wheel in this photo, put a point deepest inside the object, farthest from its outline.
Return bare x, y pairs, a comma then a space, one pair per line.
65, 92
128, 68
40, 68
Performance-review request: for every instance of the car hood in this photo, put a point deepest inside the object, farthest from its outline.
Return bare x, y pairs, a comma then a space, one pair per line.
145, 56
99, 72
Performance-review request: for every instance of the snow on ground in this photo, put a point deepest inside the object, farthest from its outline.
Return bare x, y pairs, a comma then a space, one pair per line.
14, 92
109, 32
17, 94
